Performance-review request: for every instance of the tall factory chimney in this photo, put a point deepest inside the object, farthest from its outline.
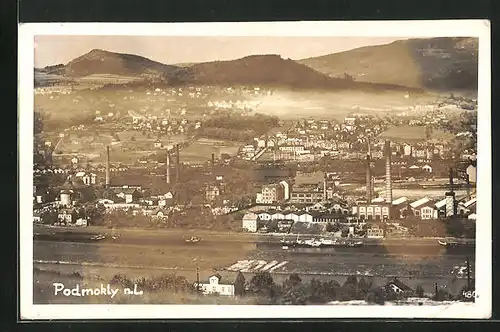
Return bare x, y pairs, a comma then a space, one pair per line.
177, 164
467, 183
213, 164
368, 179
450, 174
388, 177
450, 198
168, 167
324, 187
107, 167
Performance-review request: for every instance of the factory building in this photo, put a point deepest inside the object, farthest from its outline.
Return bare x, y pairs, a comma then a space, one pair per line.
306, 197
272, 193
375, 210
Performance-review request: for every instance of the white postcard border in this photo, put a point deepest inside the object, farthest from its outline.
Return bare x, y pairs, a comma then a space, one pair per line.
447, 28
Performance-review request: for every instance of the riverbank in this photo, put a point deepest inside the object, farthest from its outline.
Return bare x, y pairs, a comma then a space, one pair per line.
231, 236
47, 273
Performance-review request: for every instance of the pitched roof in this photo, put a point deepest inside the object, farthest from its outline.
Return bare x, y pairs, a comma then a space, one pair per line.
470, 202
218, 276
400, 200
419, 202
441, 203
301, 213
404, 287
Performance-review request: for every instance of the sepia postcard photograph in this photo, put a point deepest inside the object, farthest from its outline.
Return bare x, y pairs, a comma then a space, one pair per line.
255, 170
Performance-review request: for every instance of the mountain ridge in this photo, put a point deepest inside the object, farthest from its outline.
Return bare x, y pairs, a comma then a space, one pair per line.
443, 63
99, 61
391, 66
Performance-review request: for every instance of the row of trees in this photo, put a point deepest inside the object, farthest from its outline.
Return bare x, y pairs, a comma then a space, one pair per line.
294, 291
238, 128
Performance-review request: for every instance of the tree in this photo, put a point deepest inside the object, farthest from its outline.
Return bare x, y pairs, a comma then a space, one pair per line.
263, 284
329, 227
239, 284
419, 291
316, 293
349, 289
49, 217
293, 281
375, 295
363, 287
94, 213
296, 295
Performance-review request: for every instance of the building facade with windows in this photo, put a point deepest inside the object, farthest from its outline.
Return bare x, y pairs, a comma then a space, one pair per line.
214, 286
372, 211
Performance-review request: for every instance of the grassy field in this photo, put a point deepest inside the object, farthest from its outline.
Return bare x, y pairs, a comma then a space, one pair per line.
413, 133
201, 150
309, 178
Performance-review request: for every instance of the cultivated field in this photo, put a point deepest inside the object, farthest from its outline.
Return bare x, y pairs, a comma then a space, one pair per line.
413, 133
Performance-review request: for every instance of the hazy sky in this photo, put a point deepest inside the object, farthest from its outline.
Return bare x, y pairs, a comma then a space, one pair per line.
51, 50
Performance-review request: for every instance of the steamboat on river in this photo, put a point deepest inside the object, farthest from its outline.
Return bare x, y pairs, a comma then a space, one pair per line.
321, 243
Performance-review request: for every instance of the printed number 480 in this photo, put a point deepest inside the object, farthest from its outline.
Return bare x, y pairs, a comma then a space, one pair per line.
469, 294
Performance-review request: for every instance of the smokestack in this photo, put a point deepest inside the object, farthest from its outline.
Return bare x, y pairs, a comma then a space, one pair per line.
468, 186
107, 166
450, 198
451, 179
388, 178
324, 188
168, 167
368, 179
178, 164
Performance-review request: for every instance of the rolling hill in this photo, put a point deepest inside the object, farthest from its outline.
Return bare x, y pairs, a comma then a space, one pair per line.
264, 70
432, 63
103, 62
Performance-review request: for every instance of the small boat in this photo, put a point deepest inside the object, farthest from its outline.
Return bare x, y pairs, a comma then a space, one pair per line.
193, 239
443, 243
458, 243
327, 242
313, 243
355, 244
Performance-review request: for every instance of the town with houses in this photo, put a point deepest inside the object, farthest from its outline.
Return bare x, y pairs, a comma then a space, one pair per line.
335, 196
299, 184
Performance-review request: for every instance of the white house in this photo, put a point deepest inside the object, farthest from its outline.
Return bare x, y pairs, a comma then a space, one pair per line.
427, 168
472, 173
87, 178
305, 217
424, 208
407, 150
292, 216
249, 222
215, 287
264, 216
